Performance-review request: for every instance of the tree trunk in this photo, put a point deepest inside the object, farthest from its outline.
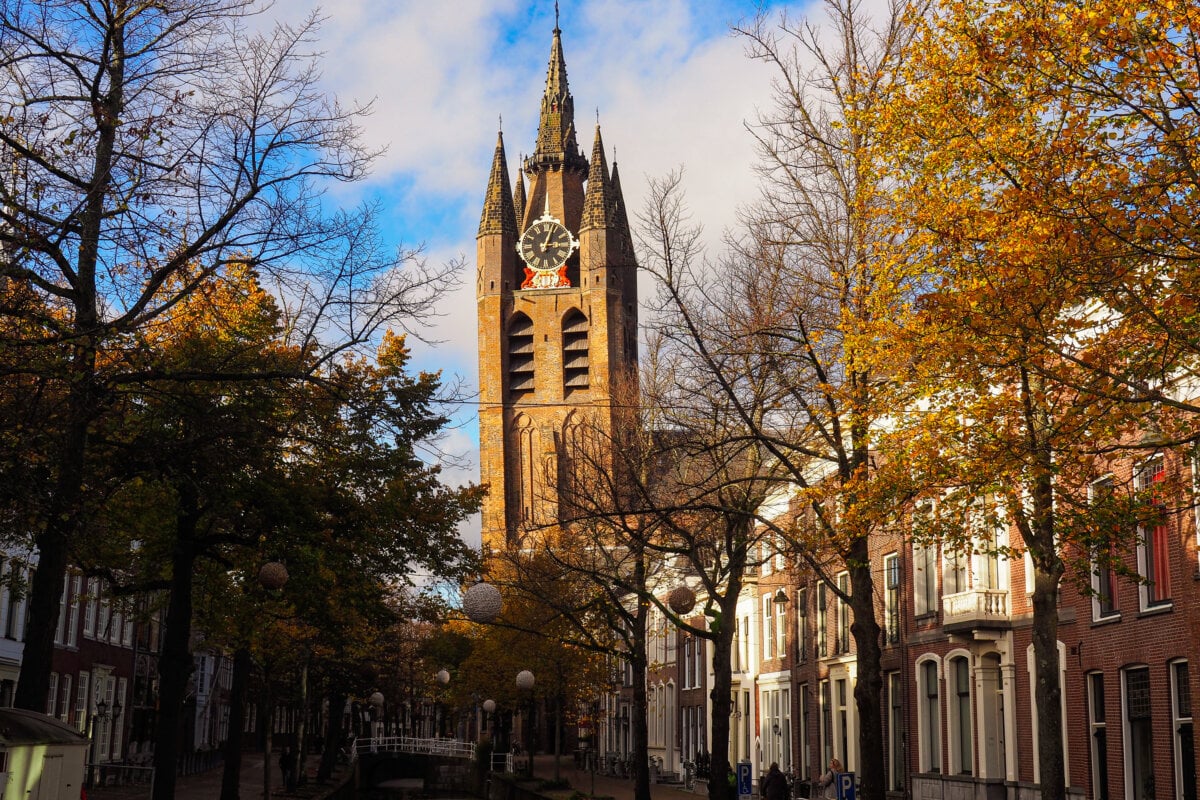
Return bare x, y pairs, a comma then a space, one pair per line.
869, 686
62, 515
722, 691
175, 665
639, 663
1048, 691
333, 735
232, 769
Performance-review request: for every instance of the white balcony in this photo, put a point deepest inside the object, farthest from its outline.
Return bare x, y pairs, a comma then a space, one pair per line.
976, 608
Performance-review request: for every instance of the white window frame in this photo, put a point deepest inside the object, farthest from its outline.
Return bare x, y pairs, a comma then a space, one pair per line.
925, 588
1097, 725
929, 731
802, 645
1098, 613
891, 598
65, 698
52, 695
822, 619
768, 633
1144, 554
780, 629
83, 699
1178, 719
73, 611
895, 730
843, 614
90, 609
958, 763
1126, 732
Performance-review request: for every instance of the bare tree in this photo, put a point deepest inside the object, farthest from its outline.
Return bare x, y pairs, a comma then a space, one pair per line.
145, 147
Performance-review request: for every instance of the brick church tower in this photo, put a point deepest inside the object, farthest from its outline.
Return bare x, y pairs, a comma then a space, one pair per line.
557, 315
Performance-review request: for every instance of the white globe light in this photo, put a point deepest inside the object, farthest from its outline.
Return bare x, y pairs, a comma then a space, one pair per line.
489, 706
524, 679
376, 699
482, 602
443, 677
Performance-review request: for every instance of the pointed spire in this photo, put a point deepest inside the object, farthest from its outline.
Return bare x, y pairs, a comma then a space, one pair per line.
498, 215
556, 142
616, 211
598, 201
519, 199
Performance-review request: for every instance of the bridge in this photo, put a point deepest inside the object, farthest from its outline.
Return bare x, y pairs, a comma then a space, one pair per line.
450, 748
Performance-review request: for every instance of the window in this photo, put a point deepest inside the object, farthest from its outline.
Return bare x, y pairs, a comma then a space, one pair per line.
1181, 725
929, 716
785, 710
89, 611
520, 355
119, 719
781, 628
575, 351
81, 700
745, 644
822, 619
1104, 577
805, 745
1154, 563
768, 643
961, 730
73, 611
61, 629
802, 624
1139, 735
64, 700
736, 655
925, 594
955, 572
826, 723
895, 733
842, 722
52, 694
891, 598
1099, 735
843, 615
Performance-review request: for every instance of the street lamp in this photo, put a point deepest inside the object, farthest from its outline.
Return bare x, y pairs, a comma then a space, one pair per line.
100, 714
376, 701
482, 602
525, 684
443, 678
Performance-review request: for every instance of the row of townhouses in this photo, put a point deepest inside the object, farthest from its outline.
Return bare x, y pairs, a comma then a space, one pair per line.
958, 678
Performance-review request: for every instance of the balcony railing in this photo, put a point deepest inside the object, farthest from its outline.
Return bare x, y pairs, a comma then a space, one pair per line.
985, 608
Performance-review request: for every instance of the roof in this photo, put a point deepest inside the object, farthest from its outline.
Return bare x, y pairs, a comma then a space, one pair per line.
20, 727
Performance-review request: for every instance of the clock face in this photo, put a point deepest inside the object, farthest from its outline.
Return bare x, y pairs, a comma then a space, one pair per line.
546, 245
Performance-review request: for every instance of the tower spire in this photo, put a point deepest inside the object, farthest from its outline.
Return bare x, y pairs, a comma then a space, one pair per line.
519, 200
598, 201
556, 142
498, 214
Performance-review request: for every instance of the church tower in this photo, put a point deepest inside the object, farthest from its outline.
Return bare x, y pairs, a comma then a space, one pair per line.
557, 313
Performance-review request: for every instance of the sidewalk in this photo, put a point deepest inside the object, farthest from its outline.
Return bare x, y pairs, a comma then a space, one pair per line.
606, 786
207, 785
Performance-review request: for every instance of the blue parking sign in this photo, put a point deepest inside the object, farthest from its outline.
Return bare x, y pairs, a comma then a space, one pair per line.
845, 785
745, 785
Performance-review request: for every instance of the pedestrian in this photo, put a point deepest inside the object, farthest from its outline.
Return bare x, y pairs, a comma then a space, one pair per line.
287, 765
829, 779
774, 785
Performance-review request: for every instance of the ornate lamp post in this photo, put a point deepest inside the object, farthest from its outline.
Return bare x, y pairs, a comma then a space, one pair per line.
99, 715
443, 678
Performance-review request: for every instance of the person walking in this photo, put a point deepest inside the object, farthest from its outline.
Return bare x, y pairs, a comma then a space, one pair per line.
287, 765
828, 781
774, 784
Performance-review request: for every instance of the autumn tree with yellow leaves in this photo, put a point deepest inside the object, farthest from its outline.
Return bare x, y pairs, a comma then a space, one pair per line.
1044, 164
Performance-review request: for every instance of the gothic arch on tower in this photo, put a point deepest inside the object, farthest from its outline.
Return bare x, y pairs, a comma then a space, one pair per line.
524, 489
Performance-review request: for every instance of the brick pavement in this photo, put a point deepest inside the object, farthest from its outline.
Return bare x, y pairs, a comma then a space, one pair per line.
607, 786
207, 785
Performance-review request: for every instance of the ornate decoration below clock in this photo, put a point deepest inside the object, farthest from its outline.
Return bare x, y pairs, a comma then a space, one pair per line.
545, 247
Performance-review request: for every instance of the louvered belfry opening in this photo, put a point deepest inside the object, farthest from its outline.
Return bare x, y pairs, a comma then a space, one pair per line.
575, 352
520, 355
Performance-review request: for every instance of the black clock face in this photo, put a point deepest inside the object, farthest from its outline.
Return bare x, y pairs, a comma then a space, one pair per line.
546, 245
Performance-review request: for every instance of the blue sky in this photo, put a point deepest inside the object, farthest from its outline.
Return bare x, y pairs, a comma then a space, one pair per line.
673, 89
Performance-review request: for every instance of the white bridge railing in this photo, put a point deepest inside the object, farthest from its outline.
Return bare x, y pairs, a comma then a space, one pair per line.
410, 744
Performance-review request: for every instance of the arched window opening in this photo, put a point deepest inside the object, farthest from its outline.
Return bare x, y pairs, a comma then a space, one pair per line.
520, 355
575, 352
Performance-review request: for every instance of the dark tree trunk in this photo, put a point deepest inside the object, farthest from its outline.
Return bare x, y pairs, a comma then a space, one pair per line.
721, 693
1048, 691
869, 687
232, 769
175, 665
640, 741
63, 513
333, 735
